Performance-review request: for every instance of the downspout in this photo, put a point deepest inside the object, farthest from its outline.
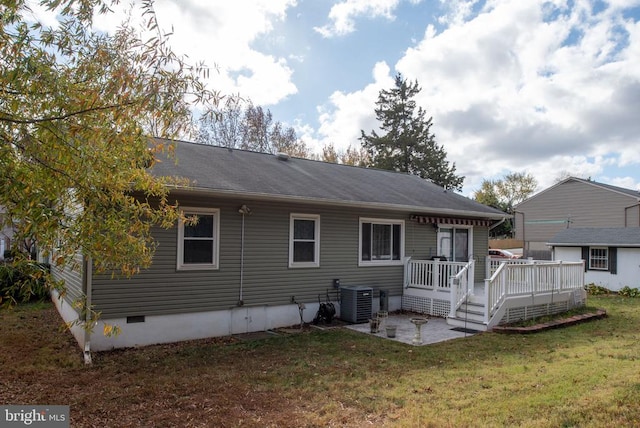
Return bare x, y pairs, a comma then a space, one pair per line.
525, 247
240, 299
88, 269
244, 210
493, 226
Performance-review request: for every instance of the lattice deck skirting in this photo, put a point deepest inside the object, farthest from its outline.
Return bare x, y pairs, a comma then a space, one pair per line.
426, 305
535, 311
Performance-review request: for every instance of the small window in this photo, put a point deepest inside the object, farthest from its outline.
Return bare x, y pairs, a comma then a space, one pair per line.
198, 242
381, 242
598, 258
304, 240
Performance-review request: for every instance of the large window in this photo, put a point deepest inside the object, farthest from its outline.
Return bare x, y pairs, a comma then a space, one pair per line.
198, 241
304, 240
599, 258
381, 241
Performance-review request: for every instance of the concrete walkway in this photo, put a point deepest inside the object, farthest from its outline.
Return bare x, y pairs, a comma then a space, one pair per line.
435, 330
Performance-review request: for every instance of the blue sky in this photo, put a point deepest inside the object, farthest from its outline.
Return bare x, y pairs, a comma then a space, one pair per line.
544, 87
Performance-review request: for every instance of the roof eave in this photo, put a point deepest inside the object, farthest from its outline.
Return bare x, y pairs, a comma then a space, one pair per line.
591, 244
342, 203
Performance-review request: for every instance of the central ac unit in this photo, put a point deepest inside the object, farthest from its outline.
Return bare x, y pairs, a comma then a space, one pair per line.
356, 303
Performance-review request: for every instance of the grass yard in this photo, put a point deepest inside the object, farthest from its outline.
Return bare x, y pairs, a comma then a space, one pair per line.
586, 375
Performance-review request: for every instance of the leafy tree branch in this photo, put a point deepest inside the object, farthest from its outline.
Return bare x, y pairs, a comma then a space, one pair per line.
78, 108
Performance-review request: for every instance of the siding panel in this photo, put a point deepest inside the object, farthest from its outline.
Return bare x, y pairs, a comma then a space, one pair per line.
72, 277
480, 252
571, 204
267, 279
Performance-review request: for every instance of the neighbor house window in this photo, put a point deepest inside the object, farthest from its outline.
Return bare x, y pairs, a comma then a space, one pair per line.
598, 258
198, 241
381, 241
304, 240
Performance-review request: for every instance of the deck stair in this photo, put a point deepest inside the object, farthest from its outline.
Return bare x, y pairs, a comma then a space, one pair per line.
470, 315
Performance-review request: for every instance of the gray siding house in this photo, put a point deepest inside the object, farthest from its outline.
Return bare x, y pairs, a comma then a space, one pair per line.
611, 255
274, 231
573, 203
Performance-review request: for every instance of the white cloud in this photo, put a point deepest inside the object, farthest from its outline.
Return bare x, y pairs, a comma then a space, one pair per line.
508, 93
36, 12
343, 15
221, 34
456, 11
347, 113
625, 182
529, 86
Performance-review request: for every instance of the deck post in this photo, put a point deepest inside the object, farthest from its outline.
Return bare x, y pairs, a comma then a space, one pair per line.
487, 284
487, 267
471, 276
407, 276
453, 297
560, 277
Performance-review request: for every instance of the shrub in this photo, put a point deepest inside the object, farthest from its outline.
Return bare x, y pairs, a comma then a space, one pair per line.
23, 281
627, 291
596, 290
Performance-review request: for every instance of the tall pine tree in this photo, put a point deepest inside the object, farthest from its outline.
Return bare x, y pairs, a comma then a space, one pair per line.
407, 144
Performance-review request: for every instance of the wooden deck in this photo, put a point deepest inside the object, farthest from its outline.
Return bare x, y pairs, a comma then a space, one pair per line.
516, 290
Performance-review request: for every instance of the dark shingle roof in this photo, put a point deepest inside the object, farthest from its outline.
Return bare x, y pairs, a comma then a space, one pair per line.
630, 192
606, 236
237, 172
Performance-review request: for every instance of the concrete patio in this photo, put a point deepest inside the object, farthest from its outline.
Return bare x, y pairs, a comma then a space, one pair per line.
435, 330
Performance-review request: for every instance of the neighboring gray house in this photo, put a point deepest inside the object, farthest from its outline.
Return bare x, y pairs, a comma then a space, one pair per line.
611, 255
275, 230
573, 203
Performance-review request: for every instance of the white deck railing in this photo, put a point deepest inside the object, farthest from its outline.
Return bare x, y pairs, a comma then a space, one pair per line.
461, 286
513, 285
430, 274
534, 278
493, 264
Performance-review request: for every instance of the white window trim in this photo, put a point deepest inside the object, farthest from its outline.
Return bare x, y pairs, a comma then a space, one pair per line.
605, 269
180, 265
316, 251
387, 221
457, 226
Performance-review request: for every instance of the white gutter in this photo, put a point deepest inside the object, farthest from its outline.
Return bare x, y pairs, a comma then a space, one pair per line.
591, 244
493, 226
417, 209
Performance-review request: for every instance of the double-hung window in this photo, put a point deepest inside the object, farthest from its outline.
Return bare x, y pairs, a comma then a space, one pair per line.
381, 242
198, 239
599, 258
304, 240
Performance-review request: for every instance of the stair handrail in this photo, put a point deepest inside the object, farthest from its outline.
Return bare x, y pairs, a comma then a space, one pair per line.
494, 291
459, 285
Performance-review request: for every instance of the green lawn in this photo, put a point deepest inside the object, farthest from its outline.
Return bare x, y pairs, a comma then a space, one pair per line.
586, 375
